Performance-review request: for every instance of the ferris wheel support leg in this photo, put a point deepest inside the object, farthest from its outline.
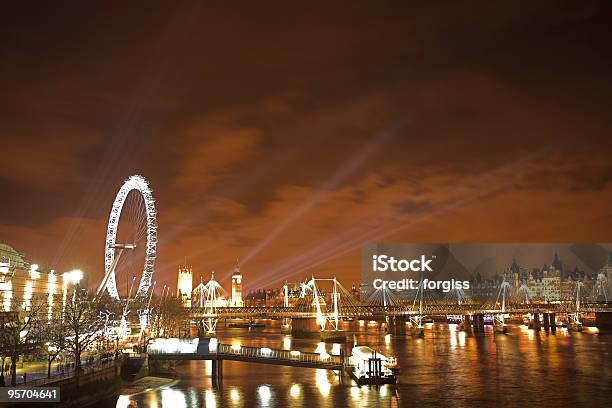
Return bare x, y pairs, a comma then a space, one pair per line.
107, 275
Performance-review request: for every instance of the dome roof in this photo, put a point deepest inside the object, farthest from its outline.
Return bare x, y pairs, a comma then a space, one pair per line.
8, 253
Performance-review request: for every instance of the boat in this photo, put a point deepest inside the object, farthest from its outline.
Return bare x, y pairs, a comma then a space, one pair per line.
500, 328
417, 331
250, 325
370, 367
333, 336
515, 319
454, 319
393, 365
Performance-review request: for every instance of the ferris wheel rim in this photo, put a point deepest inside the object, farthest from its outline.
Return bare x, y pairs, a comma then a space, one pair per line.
140, 184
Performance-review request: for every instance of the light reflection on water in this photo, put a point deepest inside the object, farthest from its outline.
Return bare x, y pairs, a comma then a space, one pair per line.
287, 343
448, 367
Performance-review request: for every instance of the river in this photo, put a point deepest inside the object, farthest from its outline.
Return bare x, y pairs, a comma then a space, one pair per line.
446, 368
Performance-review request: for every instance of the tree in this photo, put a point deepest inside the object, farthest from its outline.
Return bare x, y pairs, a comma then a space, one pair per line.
84, 318
19, 331
2, 382
53, 330
170, 317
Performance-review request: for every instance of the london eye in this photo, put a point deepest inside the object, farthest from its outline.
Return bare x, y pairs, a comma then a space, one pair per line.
131, 239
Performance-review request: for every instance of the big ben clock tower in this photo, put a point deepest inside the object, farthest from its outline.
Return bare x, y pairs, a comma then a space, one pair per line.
237, 287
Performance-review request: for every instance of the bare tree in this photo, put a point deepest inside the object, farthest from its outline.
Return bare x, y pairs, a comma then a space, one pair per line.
53, 331
19, 333
84, 318
170, 317
2, 382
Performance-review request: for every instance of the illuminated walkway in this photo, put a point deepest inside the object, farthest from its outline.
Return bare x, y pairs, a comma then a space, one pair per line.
185, 350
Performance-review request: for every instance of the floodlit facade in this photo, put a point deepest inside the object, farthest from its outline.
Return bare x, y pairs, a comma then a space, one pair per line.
21, 281
185, 285
236, 299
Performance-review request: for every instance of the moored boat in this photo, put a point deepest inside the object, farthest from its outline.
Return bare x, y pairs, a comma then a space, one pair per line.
370, 367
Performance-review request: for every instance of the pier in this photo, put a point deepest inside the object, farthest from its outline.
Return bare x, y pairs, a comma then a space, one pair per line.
365, 365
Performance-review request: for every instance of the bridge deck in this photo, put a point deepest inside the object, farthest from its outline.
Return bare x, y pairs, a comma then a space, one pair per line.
372, 311
260, 356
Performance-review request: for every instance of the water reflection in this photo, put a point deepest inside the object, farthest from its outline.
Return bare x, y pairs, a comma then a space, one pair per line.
235, 395
265, 395
287, 343
355, 394
210, 398
295, 390
173, 398
323, 382
487, 370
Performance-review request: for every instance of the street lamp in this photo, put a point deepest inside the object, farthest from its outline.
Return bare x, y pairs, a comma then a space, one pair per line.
75, 276
34, 274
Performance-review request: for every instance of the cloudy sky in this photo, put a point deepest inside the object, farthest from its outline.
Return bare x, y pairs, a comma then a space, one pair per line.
288, 136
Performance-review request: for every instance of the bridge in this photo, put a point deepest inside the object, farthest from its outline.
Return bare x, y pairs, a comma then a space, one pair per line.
315, 310
366, 311
209, 349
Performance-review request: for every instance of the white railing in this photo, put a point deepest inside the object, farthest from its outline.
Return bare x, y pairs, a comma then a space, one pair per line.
323, 358
276, 354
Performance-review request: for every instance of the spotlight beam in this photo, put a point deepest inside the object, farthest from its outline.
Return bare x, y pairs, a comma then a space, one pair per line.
314, 257
357, 160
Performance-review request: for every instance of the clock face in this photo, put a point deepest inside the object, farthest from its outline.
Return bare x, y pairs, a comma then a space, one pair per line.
238, 280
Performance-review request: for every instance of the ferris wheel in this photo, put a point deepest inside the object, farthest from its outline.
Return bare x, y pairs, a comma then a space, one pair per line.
131, 238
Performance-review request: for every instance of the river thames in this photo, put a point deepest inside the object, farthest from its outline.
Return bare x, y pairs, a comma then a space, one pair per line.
445, 368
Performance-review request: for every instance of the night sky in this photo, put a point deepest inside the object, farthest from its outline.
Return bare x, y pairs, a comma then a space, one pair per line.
288, 136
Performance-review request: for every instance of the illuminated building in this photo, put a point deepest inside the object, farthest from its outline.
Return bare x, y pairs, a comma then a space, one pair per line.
545, 284
185, 285
236, 299
21, 281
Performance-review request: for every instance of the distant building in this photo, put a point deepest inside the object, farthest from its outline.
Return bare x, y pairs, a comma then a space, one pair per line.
364, 291
604, 277
482, 289
236, 299
607, 268
255, 298
185, 285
